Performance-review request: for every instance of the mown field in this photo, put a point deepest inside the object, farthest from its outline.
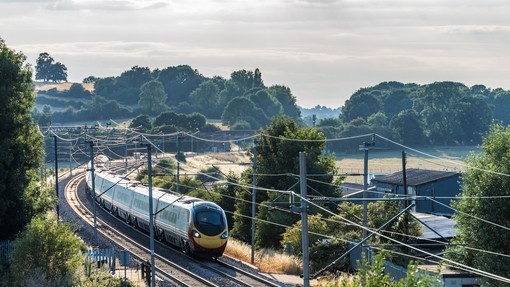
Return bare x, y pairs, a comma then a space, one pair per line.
447, 158
380, 161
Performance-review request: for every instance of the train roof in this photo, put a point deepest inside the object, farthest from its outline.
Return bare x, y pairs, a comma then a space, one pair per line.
164, 195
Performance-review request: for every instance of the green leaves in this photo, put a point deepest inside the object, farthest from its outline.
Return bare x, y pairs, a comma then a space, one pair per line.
482, 209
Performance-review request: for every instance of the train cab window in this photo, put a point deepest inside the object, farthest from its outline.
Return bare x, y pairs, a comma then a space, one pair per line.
213, 218
209, 222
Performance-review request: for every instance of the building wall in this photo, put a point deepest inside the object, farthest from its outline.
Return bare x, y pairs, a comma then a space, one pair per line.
447, 187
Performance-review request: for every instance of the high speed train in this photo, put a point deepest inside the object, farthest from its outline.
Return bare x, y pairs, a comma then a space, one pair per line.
195, 226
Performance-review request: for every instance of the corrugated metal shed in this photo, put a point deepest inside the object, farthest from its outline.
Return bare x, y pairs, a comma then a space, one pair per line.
415, 176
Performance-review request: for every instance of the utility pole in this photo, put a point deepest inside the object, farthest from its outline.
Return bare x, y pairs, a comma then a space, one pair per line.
70, 159
253, 200
404, 177
304, 219
178, 166
93, 179
365, 147
56, 176
151, 213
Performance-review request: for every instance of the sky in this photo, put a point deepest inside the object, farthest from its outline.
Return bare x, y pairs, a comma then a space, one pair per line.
323, 50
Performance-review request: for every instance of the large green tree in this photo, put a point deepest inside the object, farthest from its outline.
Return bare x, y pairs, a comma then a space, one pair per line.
47, 70
278, 159
21, 147
483, 199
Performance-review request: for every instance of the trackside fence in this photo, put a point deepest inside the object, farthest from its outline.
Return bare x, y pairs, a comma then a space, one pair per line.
102, 257
5, 250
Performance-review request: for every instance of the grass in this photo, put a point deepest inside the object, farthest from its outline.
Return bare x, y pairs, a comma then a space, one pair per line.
390, 161
268, 261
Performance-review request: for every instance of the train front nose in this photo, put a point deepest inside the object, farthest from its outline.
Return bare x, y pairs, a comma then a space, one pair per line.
210, 242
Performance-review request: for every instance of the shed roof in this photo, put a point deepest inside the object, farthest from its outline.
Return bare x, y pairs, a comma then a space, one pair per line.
440, 224
415, 176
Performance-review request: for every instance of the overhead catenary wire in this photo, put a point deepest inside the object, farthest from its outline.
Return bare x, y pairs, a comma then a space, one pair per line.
456, 163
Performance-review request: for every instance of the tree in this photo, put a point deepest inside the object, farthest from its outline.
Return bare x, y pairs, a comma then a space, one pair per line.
440, 100
360, 105
408, 126
47, 70
288, 101
474, 116
58, 72
245, 79
43, 67
21, 147
153, 97
78, 91
141, 123
206, 99
268, 103
43, 117
179, 82
166, 118
483, 187
48, 250
281, 156
243, 109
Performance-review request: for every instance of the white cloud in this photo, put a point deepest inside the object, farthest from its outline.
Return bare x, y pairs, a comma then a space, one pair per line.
323, 50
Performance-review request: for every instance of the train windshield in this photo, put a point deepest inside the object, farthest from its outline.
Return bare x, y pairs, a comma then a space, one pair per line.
209, 221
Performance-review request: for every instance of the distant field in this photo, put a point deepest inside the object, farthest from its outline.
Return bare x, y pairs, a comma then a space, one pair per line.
379, 161
388, 161
39, 86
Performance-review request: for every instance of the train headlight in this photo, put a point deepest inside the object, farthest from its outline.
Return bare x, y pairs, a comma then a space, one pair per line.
224, 235
195, 234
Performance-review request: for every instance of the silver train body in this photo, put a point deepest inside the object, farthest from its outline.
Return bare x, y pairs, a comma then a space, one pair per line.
195, 226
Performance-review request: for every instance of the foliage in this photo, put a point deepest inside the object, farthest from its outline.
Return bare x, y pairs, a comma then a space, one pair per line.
43, 117
440, 113
47, 70
125, 88
141, 123
228, 200
241, 108
179, 82
78, 91
209, 174
481, 185
206, 98
242, 215
375, 277
47, 247
284, 95
21, 147
152, 97
240, 125
184, 122
278, 153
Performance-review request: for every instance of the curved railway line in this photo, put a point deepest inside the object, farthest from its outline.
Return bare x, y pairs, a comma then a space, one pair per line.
173, 268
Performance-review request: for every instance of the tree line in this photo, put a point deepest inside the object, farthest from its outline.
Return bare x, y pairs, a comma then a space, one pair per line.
241, 102
440, 113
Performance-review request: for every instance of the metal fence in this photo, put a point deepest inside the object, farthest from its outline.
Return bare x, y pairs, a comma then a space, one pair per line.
5, 250
103, 257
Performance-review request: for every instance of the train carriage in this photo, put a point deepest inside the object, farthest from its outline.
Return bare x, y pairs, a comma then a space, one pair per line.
196, 226
122, 199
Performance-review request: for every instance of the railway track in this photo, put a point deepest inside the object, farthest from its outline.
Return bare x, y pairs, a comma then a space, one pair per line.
173, 268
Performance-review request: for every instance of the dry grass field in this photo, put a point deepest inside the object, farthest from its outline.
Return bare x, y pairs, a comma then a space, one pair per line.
61, 86
379, 161
389, 161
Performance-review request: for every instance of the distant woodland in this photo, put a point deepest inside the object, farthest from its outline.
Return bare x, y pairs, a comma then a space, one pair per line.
440, 113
